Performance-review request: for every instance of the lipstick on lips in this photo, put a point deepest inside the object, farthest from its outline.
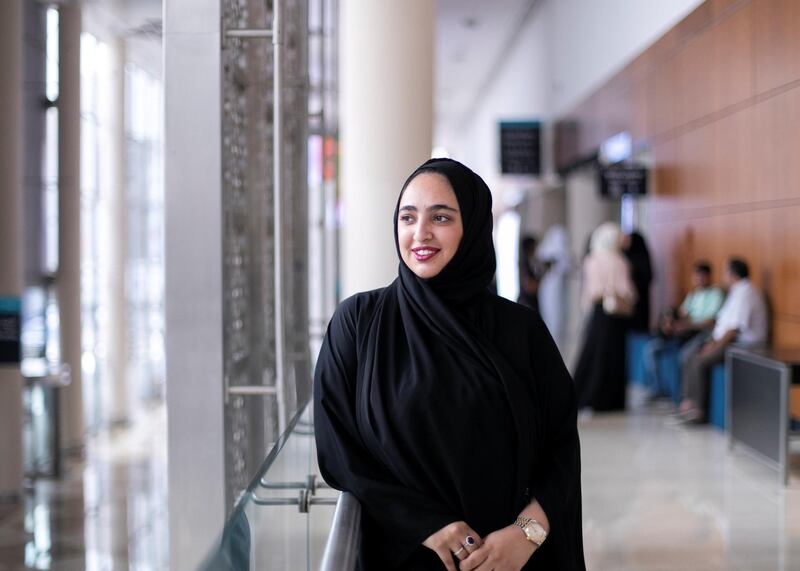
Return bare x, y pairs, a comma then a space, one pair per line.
424, 253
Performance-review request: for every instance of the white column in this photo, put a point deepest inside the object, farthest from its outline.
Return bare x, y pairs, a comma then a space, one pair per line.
386, 80
68, 282
193, 239
11, 242
117, 404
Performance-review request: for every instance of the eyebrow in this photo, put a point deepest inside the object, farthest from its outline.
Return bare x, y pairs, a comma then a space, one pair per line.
430, 208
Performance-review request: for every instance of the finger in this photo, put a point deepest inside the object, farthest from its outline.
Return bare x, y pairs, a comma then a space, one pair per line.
474, 561
447, 558
471, 542
461, 531
487, 565
460, 552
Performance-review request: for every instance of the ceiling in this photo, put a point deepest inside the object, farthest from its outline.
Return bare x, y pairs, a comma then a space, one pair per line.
471, 39
129, 17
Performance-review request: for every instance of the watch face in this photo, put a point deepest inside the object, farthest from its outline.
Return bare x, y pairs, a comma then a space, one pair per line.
535, 533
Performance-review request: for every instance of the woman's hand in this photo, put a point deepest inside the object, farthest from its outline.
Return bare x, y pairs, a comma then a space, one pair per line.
449, 540
506, 549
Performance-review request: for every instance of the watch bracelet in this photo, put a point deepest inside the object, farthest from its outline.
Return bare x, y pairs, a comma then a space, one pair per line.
521, 522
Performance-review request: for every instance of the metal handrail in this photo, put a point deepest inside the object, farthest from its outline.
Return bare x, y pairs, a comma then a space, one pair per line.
341, 550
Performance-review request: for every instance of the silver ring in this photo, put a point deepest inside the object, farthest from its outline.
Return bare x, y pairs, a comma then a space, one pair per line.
459, 551
470, 540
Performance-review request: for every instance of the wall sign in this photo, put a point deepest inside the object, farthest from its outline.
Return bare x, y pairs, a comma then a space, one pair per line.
619, 180
10, 319
520, 147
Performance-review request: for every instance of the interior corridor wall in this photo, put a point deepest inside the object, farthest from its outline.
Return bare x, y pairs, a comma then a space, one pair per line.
717, 99
516, 90
589, 40
563, 51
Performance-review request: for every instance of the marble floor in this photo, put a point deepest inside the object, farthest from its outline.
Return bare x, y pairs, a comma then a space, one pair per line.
660, 497
109, 511
656, 497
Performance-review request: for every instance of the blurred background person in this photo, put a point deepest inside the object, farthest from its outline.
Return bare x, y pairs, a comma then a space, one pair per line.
609, 295
743, 320
687, 326
554, 252
531, 272
635, 249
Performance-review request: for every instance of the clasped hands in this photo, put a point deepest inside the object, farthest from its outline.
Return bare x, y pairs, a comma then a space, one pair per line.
506, 549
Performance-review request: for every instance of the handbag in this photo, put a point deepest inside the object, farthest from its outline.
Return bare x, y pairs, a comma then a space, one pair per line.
616, 305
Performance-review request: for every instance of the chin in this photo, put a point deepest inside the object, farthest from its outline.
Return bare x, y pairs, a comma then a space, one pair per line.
426, 273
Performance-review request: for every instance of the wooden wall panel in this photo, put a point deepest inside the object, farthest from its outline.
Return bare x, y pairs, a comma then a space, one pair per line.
639, 102
777, 148
663, 97
668, 287
734, 162
693, 89
777, 43
782, 238
733, 69
696, 168
786, 332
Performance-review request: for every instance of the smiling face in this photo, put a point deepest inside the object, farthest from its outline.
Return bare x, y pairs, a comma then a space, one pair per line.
429, 226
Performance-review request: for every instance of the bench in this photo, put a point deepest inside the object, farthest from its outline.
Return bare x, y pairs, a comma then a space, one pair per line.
670, 376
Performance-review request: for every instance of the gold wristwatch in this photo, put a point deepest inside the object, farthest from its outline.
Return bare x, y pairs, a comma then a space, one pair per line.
533, 530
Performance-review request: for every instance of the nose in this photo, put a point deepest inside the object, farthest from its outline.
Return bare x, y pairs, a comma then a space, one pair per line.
422, 232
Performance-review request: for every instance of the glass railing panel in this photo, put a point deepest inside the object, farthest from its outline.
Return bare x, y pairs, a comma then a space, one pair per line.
282, 520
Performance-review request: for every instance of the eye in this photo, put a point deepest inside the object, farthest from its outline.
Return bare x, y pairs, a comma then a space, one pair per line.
441, 218
407, 218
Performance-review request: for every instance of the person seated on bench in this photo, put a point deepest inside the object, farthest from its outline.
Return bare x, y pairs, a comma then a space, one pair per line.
688, 326
742, 320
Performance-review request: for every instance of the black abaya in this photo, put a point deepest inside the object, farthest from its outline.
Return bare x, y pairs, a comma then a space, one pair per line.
642, 276
600, 375
437, 401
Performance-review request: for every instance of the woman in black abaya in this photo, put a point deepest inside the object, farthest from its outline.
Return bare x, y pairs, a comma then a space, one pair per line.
600, 374
635, 249
446, 410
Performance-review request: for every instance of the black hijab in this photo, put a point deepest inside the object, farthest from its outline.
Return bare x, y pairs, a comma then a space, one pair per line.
417, 413
472, 268
642, 276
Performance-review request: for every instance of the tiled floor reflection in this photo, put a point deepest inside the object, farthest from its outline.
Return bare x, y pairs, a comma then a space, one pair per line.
109, 511
657, 497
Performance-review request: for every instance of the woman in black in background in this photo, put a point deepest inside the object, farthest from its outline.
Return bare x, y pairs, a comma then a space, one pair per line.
635, 249
607, 295
446, 410
531, 272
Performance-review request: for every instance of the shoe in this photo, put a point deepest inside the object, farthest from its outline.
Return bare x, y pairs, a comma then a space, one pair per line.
691, 417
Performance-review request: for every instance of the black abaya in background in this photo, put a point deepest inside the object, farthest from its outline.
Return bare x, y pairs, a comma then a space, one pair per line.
531, 271
642, 276
600, 375
436, 401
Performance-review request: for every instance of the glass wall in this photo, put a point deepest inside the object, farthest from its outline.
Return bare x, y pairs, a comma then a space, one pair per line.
145, 206
95, 182
143, 201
